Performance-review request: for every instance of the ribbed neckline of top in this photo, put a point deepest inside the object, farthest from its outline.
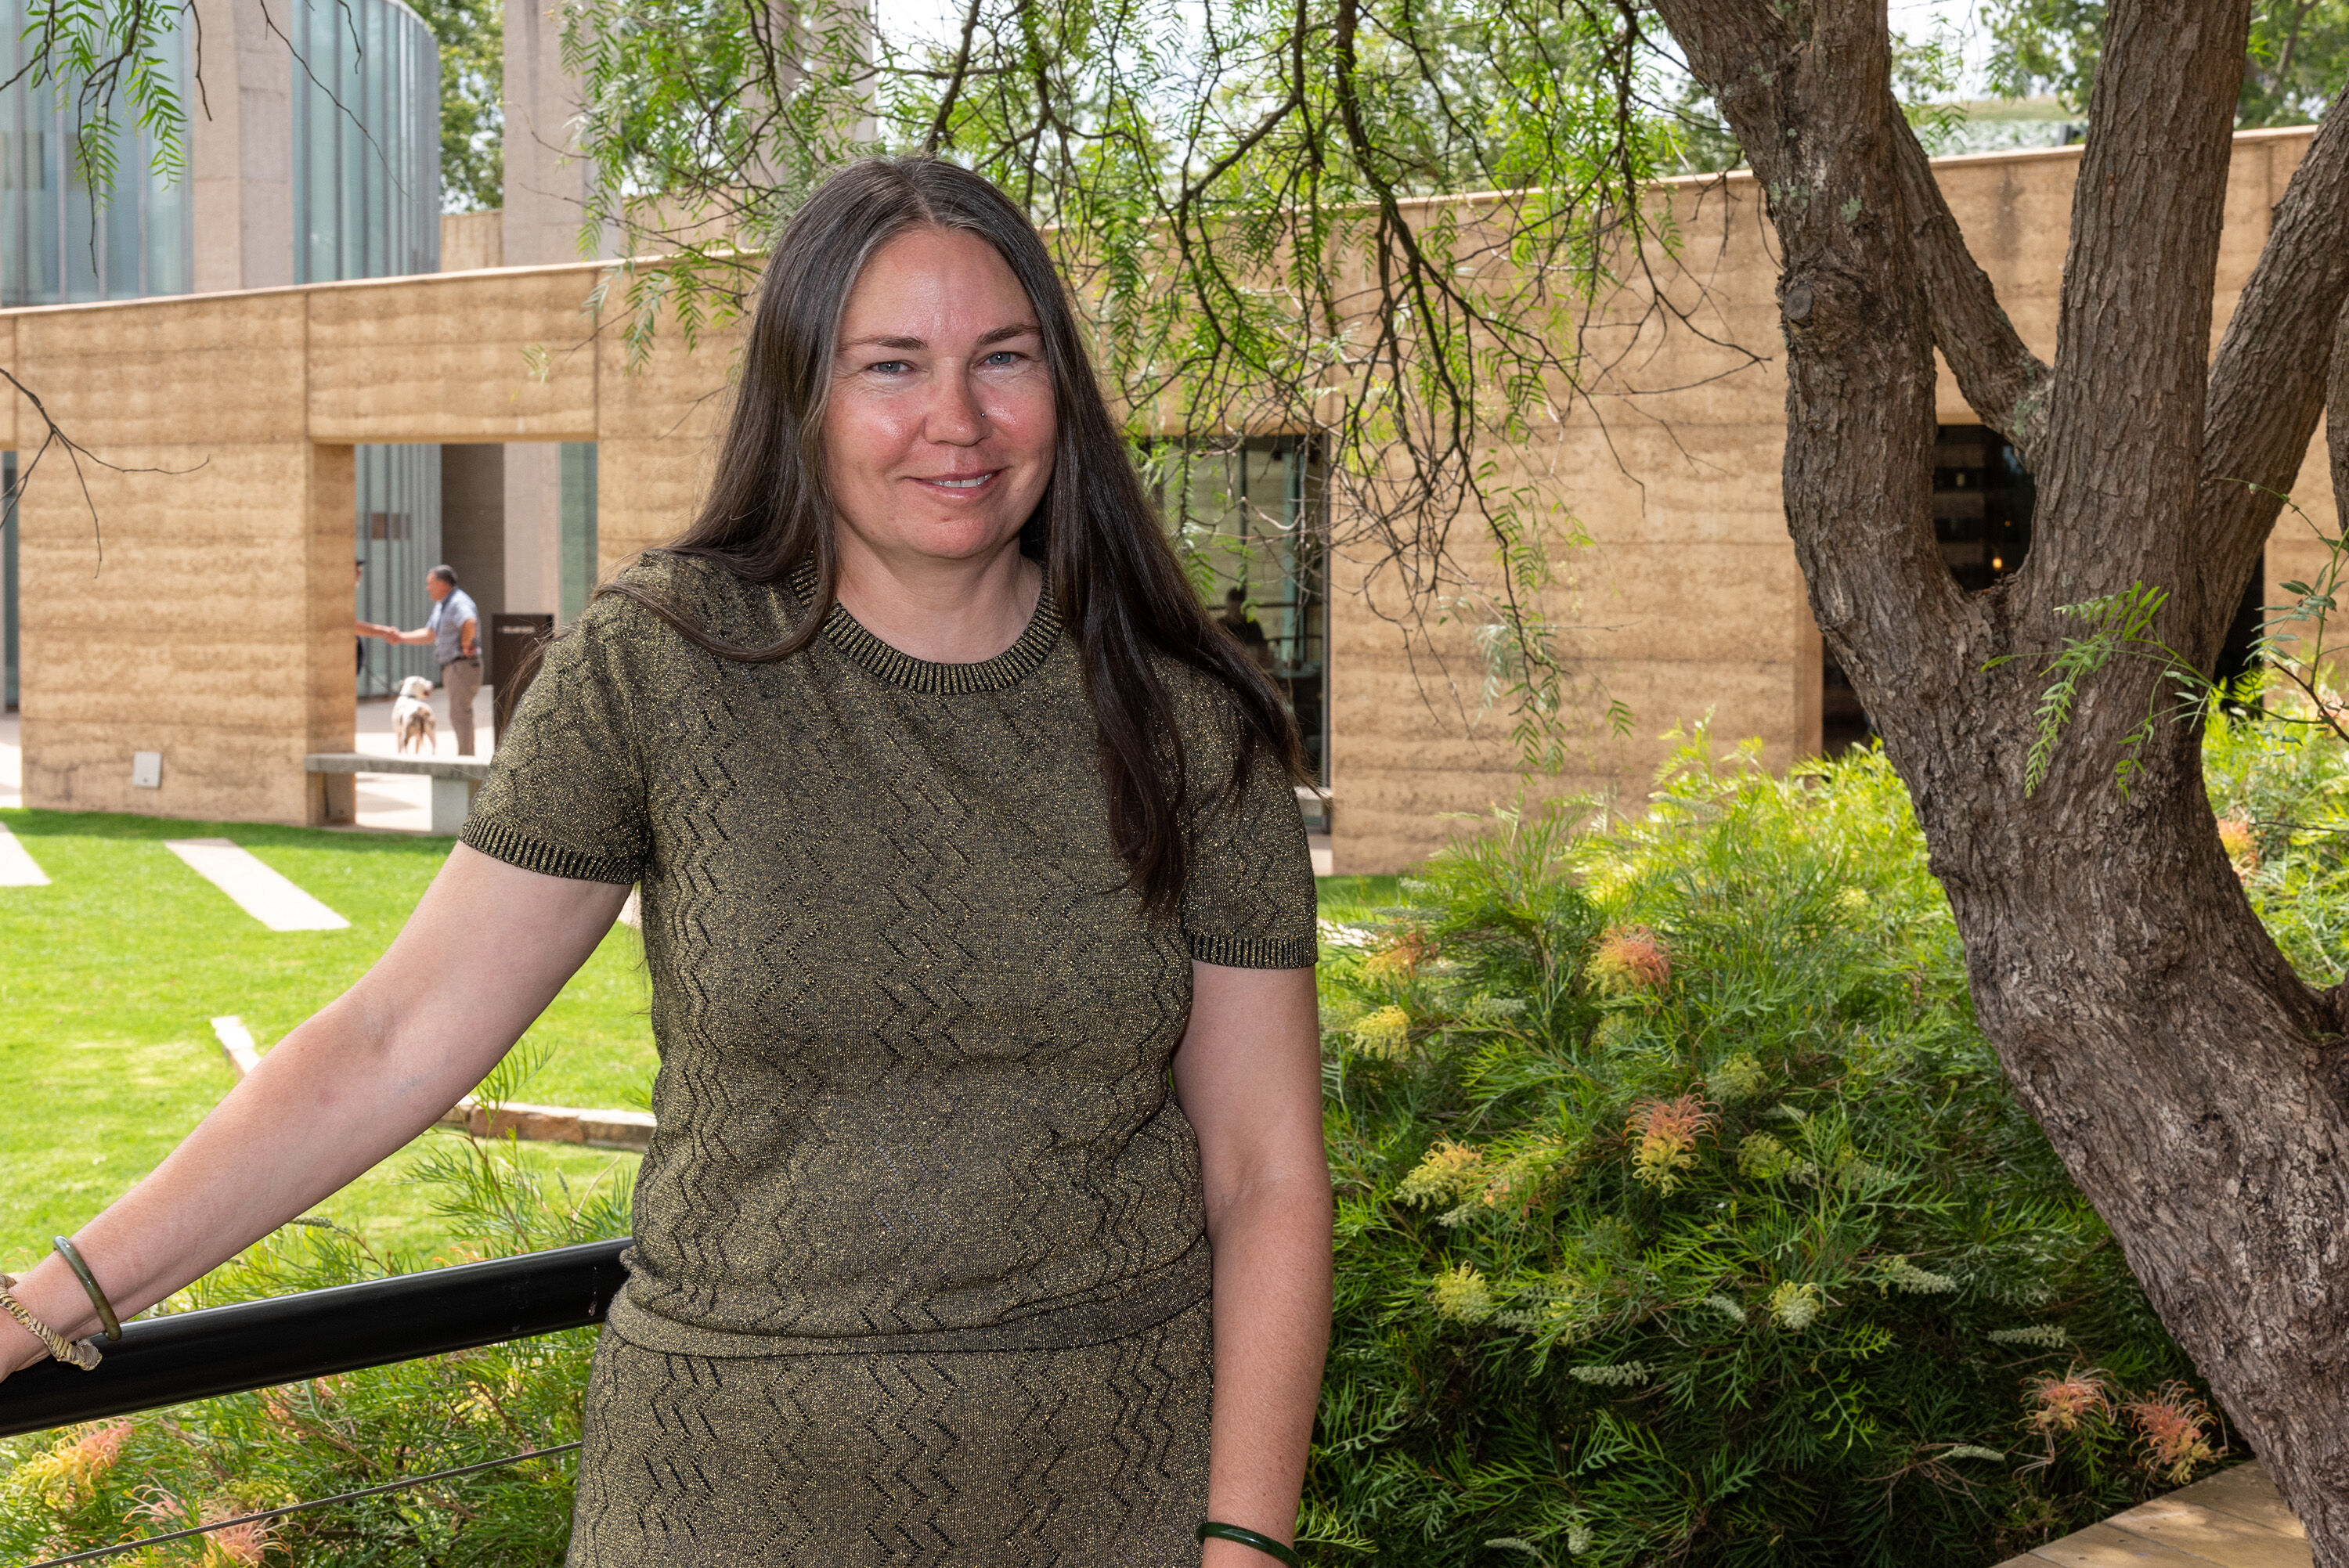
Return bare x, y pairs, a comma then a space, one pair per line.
1014, 664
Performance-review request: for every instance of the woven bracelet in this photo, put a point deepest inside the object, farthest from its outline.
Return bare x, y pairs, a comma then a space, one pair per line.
89, 1283
1209, 1529
84, 1355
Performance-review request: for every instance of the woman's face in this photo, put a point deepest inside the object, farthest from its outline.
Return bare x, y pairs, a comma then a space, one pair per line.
938, 437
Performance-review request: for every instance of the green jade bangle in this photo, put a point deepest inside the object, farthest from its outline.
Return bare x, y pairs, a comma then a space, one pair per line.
90, 1283
1211, 1531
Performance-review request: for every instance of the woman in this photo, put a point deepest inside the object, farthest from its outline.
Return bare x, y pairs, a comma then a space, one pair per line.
958, 826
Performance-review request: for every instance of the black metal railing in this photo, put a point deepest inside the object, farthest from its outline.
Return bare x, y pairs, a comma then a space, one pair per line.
286, 1339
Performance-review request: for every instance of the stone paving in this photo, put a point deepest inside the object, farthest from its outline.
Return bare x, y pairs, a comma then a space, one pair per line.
2233, 1520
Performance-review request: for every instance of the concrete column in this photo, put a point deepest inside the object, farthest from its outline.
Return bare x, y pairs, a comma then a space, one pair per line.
545, 200
240, 158
546, 179
533, 528
472, 522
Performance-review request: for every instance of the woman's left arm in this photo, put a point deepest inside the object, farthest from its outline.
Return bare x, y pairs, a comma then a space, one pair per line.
1249, 1075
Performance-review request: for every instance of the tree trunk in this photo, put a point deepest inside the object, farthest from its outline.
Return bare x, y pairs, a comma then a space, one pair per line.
2195, 1087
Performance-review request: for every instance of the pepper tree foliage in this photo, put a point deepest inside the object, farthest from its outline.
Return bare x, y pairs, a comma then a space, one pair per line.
2299, 53
1239, 192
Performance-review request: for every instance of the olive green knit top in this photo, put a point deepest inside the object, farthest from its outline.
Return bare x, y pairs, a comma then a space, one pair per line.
914, 1028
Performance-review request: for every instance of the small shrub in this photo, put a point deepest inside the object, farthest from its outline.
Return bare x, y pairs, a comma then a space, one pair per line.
1684, 1215
219, 1458
2280, 786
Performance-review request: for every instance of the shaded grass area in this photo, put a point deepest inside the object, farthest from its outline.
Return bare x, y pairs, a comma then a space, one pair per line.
111, 975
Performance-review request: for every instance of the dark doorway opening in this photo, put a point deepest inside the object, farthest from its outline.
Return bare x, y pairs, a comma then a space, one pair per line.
1983, 500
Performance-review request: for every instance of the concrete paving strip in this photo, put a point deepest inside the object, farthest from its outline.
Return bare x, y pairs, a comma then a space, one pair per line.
236, 1044
260, 892
532, 1123
17, 867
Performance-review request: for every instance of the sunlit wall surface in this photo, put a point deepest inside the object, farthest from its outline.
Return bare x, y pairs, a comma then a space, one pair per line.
58, 245
367, 204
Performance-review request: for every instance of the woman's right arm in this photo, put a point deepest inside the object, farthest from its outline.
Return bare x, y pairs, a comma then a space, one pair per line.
486, 950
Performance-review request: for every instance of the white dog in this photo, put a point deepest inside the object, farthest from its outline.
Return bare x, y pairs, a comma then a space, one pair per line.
412, 716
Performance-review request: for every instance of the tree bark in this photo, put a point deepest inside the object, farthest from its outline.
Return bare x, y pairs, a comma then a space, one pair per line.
2195, 1087
2336, 406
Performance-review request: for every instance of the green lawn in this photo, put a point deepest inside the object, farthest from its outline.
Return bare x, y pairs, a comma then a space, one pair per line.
1354, 898
111, 975
109, 978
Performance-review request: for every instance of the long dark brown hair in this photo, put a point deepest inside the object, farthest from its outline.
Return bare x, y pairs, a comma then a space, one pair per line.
1114, 577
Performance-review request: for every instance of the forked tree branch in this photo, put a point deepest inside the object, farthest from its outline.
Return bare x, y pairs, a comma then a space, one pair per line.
1817, 125
2004, 381
55, 435
2268, 381
2132, 364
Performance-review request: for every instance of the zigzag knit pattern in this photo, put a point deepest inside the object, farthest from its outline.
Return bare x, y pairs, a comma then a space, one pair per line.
1093, 1456
912, 1104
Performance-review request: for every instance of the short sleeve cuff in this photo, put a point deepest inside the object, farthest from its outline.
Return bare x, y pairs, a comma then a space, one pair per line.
1256, 951
500, 842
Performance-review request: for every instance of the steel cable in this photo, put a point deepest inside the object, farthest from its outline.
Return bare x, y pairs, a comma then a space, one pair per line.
95, 1553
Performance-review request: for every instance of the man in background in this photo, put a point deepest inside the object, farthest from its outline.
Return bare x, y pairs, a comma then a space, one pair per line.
454, 630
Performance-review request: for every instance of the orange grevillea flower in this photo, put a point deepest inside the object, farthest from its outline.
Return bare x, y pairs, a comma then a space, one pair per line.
1629, 959
1665, 1132
2235, 837
2174, 1432
2060, 1404
1402, 958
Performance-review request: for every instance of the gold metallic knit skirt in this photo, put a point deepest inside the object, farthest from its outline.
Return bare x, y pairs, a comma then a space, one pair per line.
1094, 1455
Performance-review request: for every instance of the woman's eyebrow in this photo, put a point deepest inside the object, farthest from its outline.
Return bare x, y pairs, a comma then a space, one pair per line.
894, 340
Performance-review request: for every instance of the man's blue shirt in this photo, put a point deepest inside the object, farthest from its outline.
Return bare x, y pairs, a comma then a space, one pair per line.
448, 624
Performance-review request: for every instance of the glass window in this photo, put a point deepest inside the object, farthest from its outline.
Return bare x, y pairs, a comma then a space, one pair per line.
398, 542
57, 245
1247, 517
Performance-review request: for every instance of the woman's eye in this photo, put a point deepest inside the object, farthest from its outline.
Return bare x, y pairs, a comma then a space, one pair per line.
1004, 356
889, 366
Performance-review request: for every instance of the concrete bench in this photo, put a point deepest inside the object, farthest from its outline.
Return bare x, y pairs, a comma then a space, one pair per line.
454, 779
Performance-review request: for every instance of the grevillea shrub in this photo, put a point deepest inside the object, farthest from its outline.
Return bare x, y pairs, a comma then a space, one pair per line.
2281, 789
1684, 1216
220, 1458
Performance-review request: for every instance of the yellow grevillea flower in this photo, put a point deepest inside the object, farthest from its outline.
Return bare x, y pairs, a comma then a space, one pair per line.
1384, 1035
1461, 1294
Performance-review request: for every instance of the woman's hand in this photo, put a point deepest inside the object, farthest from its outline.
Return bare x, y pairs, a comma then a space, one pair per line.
345, 1090
1249, 1075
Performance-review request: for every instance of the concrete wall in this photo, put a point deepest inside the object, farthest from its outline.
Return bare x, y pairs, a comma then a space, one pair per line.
217, 629
240, 152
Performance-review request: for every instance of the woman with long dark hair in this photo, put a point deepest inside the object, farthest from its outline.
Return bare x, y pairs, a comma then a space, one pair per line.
986, 1221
